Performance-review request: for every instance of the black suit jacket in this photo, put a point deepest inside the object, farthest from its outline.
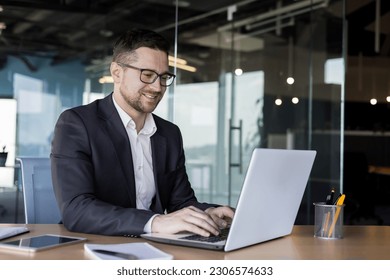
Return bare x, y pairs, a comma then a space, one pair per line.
93, 176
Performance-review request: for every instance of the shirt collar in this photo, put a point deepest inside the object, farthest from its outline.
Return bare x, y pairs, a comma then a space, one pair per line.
149, 127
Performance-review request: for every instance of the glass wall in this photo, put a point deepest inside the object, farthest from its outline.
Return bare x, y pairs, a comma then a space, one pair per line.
265, 78
41, 96
249, 74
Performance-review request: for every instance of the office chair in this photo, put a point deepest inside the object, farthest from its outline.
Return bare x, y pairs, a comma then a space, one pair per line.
40, 205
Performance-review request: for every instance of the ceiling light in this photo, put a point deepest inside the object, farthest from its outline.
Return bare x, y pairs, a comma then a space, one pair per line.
183, 67
106, 80
180, 63
278, 101
388, 98
290, 80
295, 100
373, 101
238, 72
178, 60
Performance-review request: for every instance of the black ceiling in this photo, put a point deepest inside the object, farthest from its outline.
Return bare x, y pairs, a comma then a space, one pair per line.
64, 30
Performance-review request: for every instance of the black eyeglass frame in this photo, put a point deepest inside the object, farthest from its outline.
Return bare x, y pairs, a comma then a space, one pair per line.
173, 76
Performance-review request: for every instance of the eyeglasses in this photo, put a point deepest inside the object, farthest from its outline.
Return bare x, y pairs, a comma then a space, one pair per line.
148, 76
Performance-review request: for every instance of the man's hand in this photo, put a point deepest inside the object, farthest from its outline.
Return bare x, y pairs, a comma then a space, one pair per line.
193, 220
222, 215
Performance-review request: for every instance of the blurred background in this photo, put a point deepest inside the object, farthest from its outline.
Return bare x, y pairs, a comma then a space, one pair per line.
309, 74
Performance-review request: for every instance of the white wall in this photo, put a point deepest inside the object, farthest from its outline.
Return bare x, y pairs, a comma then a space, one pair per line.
8, 139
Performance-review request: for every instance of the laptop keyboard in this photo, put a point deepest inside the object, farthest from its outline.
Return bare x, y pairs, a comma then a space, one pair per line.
211, 239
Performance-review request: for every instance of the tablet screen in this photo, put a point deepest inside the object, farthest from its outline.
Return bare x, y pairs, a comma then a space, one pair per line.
41, 242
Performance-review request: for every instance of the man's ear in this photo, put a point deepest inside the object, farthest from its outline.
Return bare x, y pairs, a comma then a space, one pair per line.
116, 72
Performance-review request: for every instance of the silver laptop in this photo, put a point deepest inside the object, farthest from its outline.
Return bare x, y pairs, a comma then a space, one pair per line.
268, 204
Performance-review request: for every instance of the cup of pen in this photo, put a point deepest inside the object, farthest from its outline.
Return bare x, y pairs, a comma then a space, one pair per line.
328, 220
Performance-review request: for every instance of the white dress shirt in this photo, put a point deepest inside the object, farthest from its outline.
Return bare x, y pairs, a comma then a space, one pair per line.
142, 159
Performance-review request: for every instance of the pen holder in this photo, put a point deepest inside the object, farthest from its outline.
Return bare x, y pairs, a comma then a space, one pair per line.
328, 221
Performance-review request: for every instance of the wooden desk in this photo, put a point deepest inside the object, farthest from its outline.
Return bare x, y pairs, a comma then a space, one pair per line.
360, 243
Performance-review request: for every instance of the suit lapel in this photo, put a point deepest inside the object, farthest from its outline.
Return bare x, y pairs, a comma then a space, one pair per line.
117, 133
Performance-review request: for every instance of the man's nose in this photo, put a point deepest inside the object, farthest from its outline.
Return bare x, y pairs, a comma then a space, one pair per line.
156, 85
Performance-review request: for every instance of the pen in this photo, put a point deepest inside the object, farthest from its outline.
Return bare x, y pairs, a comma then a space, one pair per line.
329, 198
339, 202
326, 218
116, 254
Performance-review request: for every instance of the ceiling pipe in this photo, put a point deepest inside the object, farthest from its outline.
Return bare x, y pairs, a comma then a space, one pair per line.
29, 65
205, 15
273, 13
377, 25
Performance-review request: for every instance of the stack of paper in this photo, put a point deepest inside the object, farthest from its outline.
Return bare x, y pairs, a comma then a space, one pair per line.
138, 250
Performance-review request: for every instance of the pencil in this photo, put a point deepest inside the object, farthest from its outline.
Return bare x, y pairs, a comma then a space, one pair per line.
340, 202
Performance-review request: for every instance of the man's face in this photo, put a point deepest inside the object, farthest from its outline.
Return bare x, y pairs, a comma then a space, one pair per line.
135, 95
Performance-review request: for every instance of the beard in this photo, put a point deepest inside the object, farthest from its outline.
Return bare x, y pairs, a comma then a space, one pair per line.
143, 101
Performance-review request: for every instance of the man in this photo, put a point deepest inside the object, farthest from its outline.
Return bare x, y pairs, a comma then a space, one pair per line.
117, 168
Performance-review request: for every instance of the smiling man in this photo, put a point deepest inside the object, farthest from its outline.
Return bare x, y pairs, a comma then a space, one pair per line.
117, 168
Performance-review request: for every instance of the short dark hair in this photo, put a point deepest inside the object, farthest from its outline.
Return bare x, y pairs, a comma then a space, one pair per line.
136, 38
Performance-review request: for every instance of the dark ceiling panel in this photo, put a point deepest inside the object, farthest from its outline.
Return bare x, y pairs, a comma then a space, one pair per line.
64, 30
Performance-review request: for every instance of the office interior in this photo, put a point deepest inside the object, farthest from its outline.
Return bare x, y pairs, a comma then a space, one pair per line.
290, 74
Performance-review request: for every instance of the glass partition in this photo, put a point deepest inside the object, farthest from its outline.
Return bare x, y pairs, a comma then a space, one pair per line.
249, 74
267, 75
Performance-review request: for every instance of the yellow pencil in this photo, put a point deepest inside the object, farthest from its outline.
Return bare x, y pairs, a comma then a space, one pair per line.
339, 202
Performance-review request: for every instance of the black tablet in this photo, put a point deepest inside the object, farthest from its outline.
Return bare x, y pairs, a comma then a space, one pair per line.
41, 242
